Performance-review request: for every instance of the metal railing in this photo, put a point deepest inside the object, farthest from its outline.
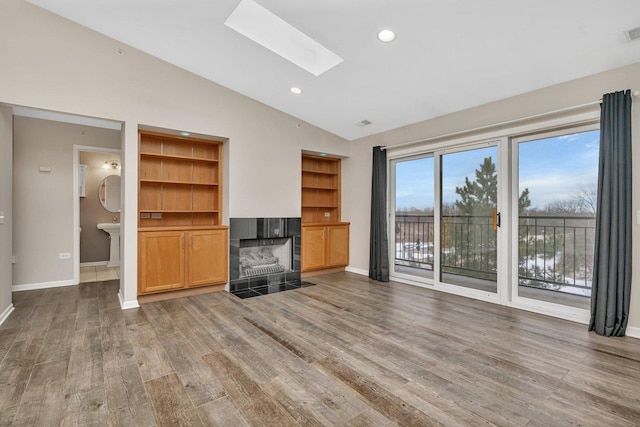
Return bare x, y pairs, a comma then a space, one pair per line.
555, 252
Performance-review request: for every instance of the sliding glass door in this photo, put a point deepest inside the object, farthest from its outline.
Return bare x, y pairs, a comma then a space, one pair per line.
556, 224
413, 239
469, 218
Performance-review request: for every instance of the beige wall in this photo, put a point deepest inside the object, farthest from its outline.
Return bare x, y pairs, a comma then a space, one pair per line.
43, 201
357, 169
94, 243
57, 65
6, 165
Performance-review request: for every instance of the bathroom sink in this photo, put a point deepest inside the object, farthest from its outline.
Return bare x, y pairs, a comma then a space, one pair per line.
109, 226
113, 229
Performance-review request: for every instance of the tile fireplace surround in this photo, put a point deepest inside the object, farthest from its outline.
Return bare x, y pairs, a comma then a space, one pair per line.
264, 256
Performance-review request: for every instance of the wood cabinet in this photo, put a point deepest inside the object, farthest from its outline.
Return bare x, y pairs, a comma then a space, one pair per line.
207, 262
325, 246
177, 259
181, 240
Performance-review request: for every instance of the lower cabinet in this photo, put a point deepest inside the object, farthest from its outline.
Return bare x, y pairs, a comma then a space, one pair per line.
170, 260
325, 246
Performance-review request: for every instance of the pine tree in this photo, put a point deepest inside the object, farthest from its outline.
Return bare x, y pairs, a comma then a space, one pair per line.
480, 197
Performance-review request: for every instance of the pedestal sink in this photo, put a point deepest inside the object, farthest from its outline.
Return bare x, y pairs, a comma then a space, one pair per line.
113, 229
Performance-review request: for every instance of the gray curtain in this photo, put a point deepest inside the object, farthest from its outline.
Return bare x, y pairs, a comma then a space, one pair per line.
612, 261
379, 247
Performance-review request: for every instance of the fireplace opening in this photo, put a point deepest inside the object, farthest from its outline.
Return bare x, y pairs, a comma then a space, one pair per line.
264, 256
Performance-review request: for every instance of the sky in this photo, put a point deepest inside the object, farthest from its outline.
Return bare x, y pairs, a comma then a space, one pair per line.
550, 168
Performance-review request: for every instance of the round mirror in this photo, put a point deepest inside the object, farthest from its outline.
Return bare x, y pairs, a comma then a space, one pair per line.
109, 193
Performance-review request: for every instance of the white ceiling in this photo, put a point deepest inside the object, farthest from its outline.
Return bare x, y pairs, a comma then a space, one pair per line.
448, 55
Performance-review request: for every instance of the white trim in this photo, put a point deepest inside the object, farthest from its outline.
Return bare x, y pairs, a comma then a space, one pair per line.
76, 202
448, 144
125, 305
42, 285
94, 264
357, 271
631, 331
5, 314
560, 311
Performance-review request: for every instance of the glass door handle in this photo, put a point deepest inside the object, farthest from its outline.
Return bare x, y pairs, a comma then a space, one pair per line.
496, 219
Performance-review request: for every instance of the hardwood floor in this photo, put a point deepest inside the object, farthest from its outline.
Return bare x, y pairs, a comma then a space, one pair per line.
348, 351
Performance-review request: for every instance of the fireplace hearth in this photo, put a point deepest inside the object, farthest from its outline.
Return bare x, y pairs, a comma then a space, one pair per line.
264, 256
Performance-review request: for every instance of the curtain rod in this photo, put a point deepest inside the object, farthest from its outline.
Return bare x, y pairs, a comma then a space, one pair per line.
495, 125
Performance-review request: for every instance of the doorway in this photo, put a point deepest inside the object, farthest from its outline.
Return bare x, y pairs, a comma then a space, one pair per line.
97, 208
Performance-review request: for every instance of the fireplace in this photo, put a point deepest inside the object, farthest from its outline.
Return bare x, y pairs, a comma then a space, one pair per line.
264, 255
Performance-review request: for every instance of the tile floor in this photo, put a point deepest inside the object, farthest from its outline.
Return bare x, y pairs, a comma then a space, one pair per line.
98, 273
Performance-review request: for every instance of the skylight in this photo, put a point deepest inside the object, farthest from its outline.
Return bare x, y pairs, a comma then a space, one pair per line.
263, 27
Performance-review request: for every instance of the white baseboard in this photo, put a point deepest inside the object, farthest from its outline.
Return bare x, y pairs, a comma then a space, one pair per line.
93, 264
125, 305
357, 271
43, 285
633, 332
6, 313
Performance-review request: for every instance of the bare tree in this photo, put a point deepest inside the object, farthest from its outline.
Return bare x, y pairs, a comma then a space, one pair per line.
585, 198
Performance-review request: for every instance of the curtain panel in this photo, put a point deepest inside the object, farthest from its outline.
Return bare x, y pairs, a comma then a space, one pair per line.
379, 246
611, 288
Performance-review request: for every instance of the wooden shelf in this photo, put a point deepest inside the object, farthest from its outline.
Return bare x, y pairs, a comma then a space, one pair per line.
317, 172
162, 181
171, 156
181, 178
309, 187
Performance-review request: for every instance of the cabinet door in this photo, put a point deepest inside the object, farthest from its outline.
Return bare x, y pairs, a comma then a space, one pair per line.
337, 245
208, 257
313, 248
161, 261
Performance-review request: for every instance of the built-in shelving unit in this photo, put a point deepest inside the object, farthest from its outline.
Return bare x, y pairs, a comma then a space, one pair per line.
182, 242
325, 240
179, 181
320, 189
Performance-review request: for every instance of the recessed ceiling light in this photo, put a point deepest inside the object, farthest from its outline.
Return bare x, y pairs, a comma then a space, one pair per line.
386, 36
296, 90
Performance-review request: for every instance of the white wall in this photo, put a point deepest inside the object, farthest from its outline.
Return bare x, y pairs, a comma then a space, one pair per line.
6, 154
357, 169
57, 65
43, 201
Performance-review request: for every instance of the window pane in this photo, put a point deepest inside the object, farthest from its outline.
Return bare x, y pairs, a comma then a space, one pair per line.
414, 217
557, 206
468, 235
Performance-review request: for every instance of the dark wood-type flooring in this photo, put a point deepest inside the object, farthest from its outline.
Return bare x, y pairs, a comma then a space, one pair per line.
348, 351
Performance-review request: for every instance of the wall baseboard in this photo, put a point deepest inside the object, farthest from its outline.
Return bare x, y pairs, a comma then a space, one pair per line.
5, 314
633, 332
357, 271
43, 285
125, 305
93, 264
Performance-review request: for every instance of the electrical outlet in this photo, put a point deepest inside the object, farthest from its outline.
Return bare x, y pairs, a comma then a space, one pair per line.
14, 259
327, 214
145, 215
156, 215
65, 255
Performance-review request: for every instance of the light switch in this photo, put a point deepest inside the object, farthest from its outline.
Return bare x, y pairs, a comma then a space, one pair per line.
45, 168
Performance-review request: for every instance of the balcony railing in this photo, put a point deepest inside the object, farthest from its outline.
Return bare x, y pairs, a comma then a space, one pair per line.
555, 252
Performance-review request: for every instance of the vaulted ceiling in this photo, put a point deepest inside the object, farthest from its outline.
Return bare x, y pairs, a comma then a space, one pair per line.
447, 56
